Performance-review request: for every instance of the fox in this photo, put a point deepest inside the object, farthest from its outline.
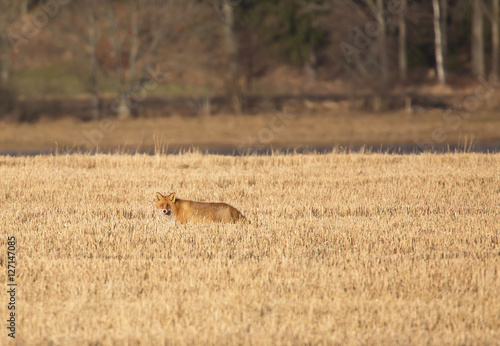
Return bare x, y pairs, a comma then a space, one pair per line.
184, 211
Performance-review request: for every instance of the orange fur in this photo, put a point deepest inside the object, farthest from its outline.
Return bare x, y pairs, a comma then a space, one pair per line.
189, 211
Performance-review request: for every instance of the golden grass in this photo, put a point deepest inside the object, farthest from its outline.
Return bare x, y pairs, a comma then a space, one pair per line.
229, 131
343, 249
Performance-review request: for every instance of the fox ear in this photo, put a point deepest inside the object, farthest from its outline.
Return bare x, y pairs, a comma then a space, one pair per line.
172, 197
159, 196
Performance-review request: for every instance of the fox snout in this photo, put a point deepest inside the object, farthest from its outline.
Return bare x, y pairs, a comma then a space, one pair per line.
167, 212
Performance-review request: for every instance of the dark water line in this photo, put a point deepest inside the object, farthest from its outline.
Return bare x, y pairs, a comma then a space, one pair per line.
230, 151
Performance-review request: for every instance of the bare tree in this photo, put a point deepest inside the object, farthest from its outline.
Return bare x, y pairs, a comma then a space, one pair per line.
495, 40
438, 43
123, 108
134, 41
10, 11
444, 29
92, 39
232, 56
493, 15
402, 58
477, 46
138, 36
377, 9
81, 23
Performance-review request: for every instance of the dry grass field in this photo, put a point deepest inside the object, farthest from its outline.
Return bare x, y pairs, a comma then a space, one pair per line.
342, 249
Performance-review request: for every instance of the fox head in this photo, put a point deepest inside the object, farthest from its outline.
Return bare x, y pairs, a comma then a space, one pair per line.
166, 204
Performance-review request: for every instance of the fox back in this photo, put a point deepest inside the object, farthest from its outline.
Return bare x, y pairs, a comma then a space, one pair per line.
189, 211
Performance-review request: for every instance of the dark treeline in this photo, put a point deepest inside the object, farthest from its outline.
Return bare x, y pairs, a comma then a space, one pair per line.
374, 45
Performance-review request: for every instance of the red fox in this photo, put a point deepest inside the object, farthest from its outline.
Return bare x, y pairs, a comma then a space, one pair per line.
188, 211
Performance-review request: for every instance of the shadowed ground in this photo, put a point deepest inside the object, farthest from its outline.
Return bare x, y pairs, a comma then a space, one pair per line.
241, 133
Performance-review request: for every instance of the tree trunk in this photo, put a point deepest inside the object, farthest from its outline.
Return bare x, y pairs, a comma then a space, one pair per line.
5, 63
115, 42
134, 26
444, 29
382, 86
232, 57
402, 58
495, 40
124, 106
93, 67
310, 67
438, 43
477, 39
381, 38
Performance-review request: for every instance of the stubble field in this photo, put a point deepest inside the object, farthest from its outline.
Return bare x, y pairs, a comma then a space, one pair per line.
341, 249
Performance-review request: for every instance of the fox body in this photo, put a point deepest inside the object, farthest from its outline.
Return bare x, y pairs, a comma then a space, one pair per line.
188, 211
